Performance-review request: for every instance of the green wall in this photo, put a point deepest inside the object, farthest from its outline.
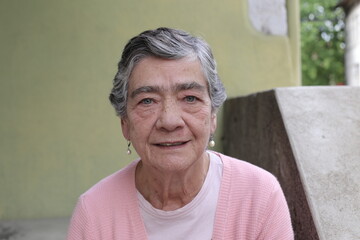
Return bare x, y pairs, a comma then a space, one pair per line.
58, 133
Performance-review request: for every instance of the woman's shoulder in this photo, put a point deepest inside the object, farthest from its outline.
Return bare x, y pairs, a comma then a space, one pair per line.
252, 196
113, 186
247, 186
104, 210
245, 173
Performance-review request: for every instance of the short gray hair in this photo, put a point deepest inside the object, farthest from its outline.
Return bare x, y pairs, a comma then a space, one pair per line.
165, 43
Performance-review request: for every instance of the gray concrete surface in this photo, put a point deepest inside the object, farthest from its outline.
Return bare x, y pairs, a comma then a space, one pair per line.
309, 137
323, 125
39, 229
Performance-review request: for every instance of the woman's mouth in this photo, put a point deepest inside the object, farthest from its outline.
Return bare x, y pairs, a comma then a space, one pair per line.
170, 144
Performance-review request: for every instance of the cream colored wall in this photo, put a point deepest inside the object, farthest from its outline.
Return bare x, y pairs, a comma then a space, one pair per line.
58, 133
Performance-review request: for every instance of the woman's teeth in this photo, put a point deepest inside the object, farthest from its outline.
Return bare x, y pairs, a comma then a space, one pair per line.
170, 144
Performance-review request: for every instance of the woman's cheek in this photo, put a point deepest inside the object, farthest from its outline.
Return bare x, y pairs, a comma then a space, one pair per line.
191, 107
198, 110
146, 112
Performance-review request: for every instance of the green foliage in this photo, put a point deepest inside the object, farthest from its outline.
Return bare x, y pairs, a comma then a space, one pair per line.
322, 42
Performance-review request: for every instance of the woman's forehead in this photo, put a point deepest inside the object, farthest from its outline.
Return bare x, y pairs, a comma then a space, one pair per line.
167, 74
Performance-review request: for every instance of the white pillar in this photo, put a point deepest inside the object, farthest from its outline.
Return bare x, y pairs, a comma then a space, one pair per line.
352, 56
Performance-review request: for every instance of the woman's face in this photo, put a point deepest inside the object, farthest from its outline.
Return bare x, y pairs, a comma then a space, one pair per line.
169, 118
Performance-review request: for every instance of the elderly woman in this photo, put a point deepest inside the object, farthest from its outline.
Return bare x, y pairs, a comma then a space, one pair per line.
167, 93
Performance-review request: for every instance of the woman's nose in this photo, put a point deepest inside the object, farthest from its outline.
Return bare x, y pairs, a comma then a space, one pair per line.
170, 117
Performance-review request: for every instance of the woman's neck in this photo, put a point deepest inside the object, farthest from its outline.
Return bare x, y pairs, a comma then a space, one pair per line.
171, 190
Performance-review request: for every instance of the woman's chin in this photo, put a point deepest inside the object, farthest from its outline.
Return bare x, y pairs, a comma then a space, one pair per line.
171, 164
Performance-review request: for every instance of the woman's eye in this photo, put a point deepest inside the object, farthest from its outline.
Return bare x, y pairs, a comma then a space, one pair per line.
190, 98
146, 101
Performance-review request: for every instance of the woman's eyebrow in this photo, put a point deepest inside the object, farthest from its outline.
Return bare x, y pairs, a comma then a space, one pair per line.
178, 88
190, 85
144, 89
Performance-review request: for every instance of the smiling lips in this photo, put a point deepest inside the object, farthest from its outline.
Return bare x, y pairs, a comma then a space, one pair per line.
170, 144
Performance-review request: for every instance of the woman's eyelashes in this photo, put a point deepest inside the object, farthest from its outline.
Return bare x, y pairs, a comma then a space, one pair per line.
146, 101
190, 99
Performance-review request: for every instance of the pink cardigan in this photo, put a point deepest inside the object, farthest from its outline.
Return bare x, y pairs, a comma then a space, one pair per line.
251, 205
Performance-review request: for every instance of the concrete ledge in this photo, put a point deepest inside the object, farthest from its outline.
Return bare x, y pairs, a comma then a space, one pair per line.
39, 229
309, 137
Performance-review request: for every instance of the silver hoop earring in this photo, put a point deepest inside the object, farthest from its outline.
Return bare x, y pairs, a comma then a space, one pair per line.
128, 148
211, 141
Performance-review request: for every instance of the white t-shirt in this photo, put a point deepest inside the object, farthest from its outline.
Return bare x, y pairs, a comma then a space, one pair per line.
193, 221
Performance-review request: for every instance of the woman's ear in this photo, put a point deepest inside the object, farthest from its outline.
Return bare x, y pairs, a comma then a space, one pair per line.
125, 128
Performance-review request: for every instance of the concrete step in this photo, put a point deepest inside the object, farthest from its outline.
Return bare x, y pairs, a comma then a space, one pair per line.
309, 138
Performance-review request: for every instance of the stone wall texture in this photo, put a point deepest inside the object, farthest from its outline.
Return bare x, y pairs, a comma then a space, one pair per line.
309, 138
